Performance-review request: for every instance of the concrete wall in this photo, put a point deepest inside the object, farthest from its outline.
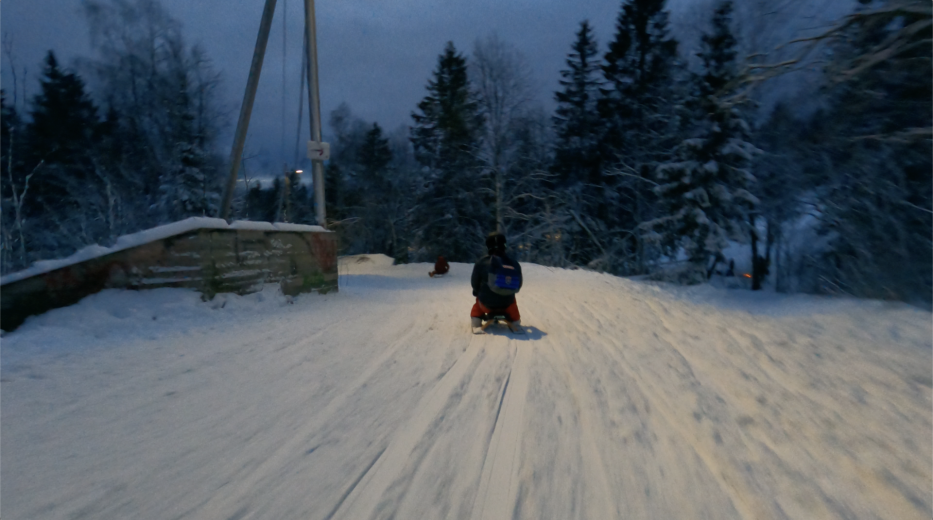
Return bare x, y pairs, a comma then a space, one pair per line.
209, 260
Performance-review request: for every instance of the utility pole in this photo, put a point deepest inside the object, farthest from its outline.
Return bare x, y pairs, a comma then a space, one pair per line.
246, 109
314, 107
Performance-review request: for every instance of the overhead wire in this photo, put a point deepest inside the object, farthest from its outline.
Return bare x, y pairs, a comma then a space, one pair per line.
284, 75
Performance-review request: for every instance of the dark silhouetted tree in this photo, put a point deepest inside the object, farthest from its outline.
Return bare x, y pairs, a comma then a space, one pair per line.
452, 216
638, 107
704, 191
576, 122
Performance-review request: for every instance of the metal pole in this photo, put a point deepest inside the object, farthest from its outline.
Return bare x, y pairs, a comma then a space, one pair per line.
246, 109
314, 107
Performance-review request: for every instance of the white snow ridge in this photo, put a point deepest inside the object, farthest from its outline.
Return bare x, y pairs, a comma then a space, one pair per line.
623, 400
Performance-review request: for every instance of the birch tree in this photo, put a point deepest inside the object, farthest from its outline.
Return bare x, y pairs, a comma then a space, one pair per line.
501, 78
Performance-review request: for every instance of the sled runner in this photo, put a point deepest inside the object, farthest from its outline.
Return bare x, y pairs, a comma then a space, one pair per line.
490, 319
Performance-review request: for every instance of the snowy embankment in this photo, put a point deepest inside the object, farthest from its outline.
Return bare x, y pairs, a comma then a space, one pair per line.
624, 400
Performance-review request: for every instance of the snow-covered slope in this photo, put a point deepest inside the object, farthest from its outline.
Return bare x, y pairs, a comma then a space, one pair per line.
624, 400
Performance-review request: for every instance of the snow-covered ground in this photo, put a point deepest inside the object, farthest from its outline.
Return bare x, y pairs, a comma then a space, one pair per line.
623, 400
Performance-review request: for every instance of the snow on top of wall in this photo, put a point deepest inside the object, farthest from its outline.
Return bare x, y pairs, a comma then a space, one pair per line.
43, 266
256, 226
278, 226
146, 236
285, 226
168, 230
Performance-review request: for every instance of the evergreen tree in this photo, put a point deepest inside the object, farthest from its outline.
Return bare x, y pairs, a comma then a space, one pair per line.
65, 199
334, 188
255, 203
344, 189
704, 192
639, 70
190, 188
451, 217
446, 129
377, 191
349, 133
300, 205
63, 117
374, 157
638, 107
576, 122
60, 136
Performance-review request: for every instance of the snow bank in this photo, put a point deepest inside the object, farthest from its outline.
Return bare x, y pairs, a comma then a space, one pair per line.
774, 304
114, 316
375, 260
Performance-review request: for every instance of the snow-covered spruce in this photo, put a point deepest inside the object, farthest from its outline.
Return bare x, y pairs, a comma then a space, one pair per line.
704, 191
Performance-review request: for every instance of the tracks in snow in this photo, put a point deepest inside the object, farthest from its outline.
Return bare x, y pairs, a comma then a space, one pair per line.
631, 405
391, 485
496, 497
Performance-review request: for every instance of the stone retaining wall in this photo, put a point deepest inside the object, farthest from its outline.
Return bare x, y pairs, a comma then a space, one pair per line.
209, 260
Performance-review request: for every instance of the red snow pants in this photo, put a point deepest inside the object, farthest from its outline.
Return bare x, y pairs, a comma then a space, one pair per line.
511, 312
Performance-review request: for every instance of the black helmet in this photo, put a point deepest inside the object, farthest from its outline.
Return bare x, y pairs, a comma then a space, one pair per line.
495, 242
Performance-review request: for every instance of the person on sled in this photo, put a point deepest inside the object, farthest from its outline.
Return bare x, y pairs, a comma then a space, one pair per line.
496, 278
440, 267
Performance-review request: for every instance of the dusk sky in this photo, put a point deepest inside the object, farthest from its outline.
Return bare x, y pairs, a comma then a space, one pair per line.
376, 56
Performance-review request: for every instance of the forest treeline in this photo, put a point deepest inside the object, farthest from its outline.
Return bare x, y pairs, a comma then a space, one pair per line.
663, 151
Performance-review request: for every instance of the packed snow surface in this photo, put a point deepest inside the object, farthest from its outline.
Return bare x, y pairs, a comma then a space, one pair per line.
623, 400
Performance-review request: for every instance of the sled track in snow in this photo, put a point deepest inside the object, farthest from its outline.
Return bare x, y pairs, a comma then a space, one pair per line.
353, 485
385, 487
496, 496
598, 492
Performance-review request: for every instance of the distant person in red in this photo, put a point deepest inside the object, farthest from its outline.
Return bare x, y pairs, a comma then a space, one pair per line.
496, 278
440, 267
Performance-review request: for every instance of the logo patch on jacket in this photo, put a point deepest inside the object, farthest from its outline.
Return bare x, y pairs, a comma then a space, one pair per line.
504, 279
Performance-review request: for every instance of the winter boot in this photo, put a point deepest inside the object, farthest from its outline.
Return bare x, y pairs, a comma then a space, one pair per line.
516, 327
477, 325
